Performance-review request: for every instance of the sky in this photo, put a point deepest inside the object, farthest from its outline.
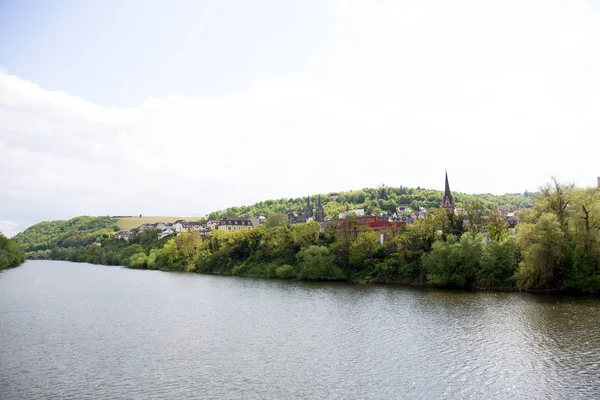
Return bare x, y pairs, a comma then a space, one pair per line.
184, 107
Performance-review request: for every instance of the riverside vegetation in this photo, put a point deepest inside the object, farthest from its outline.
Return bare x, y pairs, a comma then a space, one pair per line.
556, 246
11, 254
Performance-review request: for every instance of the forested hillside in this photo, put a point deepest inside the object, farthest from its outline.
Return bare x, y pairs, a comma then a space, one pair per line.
79, 231
378, 200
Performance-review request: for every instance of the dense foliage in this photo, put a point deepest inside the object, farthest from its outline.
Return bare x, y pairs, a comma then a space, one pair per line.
555, 247
560, 240
418, 254
11, 254
379, 200
76, 232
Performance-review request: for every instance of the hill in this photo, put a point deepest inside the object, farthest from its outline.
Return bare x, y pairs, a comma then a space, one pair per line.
84, 230
378, 200
78, 231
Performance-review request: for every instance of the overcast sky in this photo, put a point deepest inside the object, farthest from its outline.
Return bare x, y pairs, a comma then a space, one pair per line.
184, 107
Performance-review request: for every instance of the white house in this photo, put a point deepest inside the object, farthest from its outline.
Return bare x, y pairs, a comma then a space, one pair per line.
180, 226
165, 233
212, 224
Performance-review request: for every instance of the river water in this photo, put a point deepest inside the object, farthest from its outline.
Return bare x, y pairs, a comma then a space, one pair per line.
95, 332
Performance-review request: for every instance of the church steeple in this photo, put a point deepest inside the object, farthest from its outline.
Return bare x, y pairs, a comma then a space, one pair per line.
309, 210
320, 213
448, 200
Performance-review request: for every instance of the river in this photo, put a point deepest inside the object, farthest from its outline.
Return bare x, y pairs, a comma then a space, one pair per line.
72, 330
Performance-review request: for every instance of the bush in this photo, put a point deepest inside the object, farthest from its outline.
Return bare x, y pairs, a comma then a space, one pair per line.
316, 262
138, 260
204, 262
285, 272
190, 268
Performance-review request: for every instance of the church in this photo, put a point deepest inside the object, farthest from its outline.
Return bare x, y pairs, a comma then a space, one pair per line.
306, 214
448, 200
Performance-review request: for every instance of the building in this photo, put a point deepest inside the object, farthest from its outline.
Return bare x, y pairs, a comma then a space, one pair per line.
235, 224
212, 224
194, 225
180, 226
380, 225
403, 208
253, 220
359, 212
165, 233
320, 211
448, 200
303, 215
125, 235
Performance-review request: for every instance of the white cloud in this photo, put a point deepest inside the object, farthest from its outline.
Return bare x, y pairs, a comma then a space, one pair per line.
503, 107
8, 229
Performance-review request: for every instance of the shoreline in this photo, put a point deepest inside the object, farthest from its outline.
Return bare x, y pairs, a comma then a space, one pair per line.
371, 282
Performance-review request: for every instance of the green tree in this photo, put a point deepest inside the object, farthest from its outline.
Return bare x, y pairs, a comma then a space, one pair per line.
285, 272
496, 226
316, 262
188, 245
11, 254
499, 263
476, 215
454, 262
138, 260
361, 251
276, 219
542, 243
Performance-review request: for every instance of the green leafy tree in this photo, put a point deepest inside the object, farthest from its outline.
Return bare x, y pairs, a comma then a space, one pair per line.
361, 251
11, 254
285, 272
476, 215
316, 263
499, 263
138, 260
496, 226
454, 262
276, 219
542, 243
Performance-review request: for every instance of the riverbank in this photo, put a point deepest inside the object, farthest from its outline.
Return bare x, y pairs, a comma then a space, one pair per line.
11, 254
553, 248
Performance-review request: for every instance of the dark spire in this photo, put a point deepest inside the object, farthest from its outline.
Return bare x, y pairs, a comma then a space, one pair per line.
319, 201
447, 200
309, 211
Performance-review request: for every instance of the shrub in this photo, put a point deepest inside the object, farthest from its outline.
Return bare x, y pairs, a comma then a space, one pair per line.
190, 268
138, 260
316, 262
285, 272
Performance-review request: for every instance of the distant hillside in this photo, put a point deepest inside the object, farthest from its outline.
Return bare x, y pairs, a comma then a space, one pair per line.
378, 200
82, 231
127, 223
78, 231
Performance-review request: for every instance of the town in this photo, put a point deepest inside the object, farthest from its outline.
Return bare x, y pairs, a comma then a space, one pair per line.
381, 223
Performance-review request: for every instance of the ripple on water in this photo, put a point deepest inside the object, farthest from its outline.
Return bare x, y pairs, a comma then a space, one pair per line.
83, 331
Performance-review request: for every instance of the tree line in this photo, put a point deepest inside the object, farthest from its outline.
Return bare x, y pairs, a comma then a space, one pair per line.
555, 247
377, 201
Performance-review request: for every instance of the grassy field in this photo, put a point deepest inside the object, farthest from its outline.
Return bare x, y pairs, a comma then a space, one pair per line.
128, 223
